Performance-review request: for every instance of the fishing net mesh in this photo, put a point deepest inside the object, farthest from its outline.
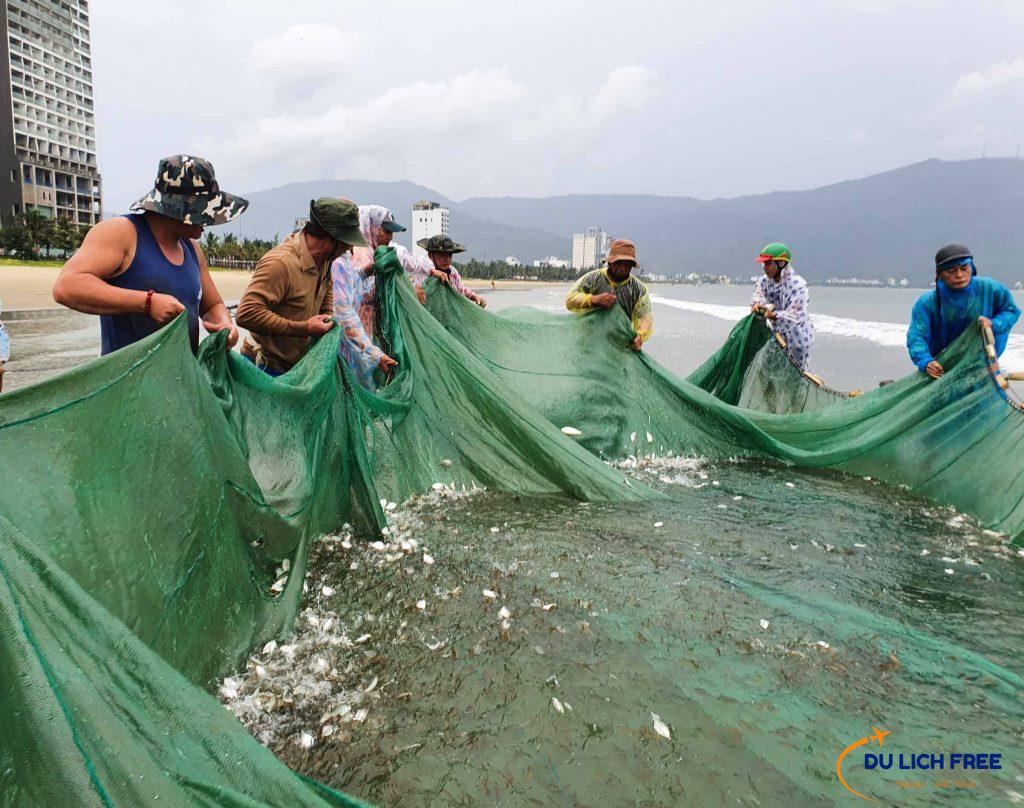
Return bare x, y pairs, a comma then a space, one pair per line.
150, 502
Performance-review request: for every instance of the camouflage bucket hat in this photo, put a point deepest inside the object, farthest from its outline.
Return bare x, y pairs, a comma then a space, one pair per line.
441, 244
186, 189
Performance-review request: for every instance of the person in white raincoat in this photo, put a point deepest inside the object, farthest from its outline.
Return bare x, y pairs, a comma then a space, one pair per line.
781, 295
355, 293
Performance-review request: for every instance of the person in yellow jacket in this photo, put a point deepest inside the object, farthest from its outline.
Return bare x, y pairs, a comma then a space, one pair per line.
603, 288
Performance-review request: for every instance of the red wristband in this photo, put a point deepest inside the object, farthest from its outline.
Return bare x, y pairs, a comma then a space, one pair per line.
149, 301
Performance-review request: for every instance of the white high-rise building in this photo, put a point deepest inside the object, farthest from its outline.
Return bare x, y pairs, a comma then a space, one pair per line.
428, 219
589, 248
48, 131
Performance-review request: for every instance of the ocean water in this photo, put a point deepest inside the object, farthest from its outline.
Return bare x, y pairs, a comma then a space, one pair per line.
720, 648
860, 333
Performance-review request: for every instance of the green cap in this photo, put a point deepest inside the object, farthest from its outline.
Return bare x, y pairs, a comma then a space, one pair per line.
339, 218
776, 251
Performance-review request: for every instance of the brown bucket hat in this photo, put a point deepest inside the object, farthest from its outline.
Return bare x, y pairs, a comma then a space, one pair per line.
622, 250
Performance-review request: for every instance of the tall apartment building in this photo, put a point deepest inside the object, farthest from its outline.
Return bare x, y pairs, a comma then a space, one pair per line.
428, 219
589, 248
48, 130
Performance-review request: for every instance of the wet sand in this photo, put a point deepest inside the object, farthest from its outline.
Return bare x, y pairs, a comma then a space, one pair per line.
28, 287
47, 339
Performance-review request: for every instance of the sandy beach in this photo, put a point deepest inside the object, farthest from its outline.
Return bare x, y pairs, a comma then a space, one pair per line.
28, 287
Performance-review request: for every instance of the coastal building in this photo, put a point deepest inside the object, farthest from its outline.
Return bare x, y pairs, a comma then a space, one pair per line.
589, 248
428, 219
513, 261
697, 279
48, 141
551, 261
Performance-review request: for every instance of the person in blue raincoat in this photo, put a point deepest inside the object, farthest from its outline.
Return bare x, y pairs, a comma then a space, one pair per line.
5, 353
959, 299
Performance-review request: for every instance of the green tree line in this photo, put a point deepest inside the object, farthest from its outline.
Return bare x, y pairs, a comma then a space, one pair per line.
34, 236
231, 248
31, 235
500, 270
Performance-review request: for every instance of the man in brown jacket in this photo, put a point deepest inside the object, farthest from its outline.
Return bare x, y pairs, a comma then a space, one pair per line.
288, 302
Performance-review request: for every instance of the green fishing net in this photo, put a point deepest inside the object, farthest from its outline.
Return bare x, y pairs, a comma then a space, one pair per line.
936, 438
151, 502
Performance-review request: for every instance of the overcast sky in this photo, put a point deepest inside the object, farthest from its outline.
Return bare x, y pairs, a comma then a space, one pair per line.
540, 98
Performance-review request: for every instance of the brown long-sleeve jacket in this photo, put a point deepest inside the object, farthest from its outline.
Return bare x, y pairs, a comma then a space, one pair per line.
287, 288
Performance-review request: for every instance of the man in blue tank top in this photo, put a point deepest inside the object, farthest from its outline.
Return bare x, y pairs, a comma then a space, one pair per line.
139, 272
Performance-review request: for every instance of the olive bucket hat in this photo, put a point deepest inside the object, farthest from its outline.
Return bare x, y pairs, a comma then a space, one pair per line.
339, 218
186, 189
441, 244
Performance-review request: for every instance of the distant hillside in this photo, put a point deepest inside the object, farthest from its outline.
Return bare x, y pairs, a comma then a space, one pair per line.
887, 224
273, 212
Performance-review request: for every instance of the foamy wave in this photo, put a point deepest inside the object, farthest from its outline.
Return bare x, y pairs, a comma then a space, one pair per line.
889, 335
733, 313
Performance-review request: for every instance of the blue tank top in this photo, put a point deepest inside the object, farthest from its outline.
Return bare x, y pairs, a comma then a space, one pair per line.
150, 269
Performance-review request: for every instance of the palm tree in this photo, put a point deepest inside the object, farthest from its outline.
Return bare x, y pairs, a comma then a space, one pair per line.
211, 245
229, 247
67, 236
39, 230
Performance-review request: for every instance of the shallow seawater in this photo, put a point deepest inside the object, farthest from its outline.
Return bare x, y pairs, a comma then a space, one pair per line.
770, 620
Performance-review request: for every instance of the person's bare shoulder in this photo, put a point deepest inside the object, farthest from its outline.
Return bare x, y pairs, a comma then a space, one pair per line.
199, 252
106, 249
116, 230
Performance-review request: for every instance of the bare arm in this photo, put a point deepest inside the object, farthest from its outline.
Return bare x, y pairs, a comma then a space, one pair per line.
215, 314
212, 301
108, 249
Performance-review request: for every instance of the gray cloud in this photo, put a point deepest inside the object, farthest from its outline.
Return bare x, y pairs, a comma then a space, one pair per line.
705, 99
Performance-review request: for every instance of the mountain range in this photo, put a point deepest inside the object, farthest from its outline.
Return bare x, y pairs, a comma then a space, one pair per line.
888, 224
